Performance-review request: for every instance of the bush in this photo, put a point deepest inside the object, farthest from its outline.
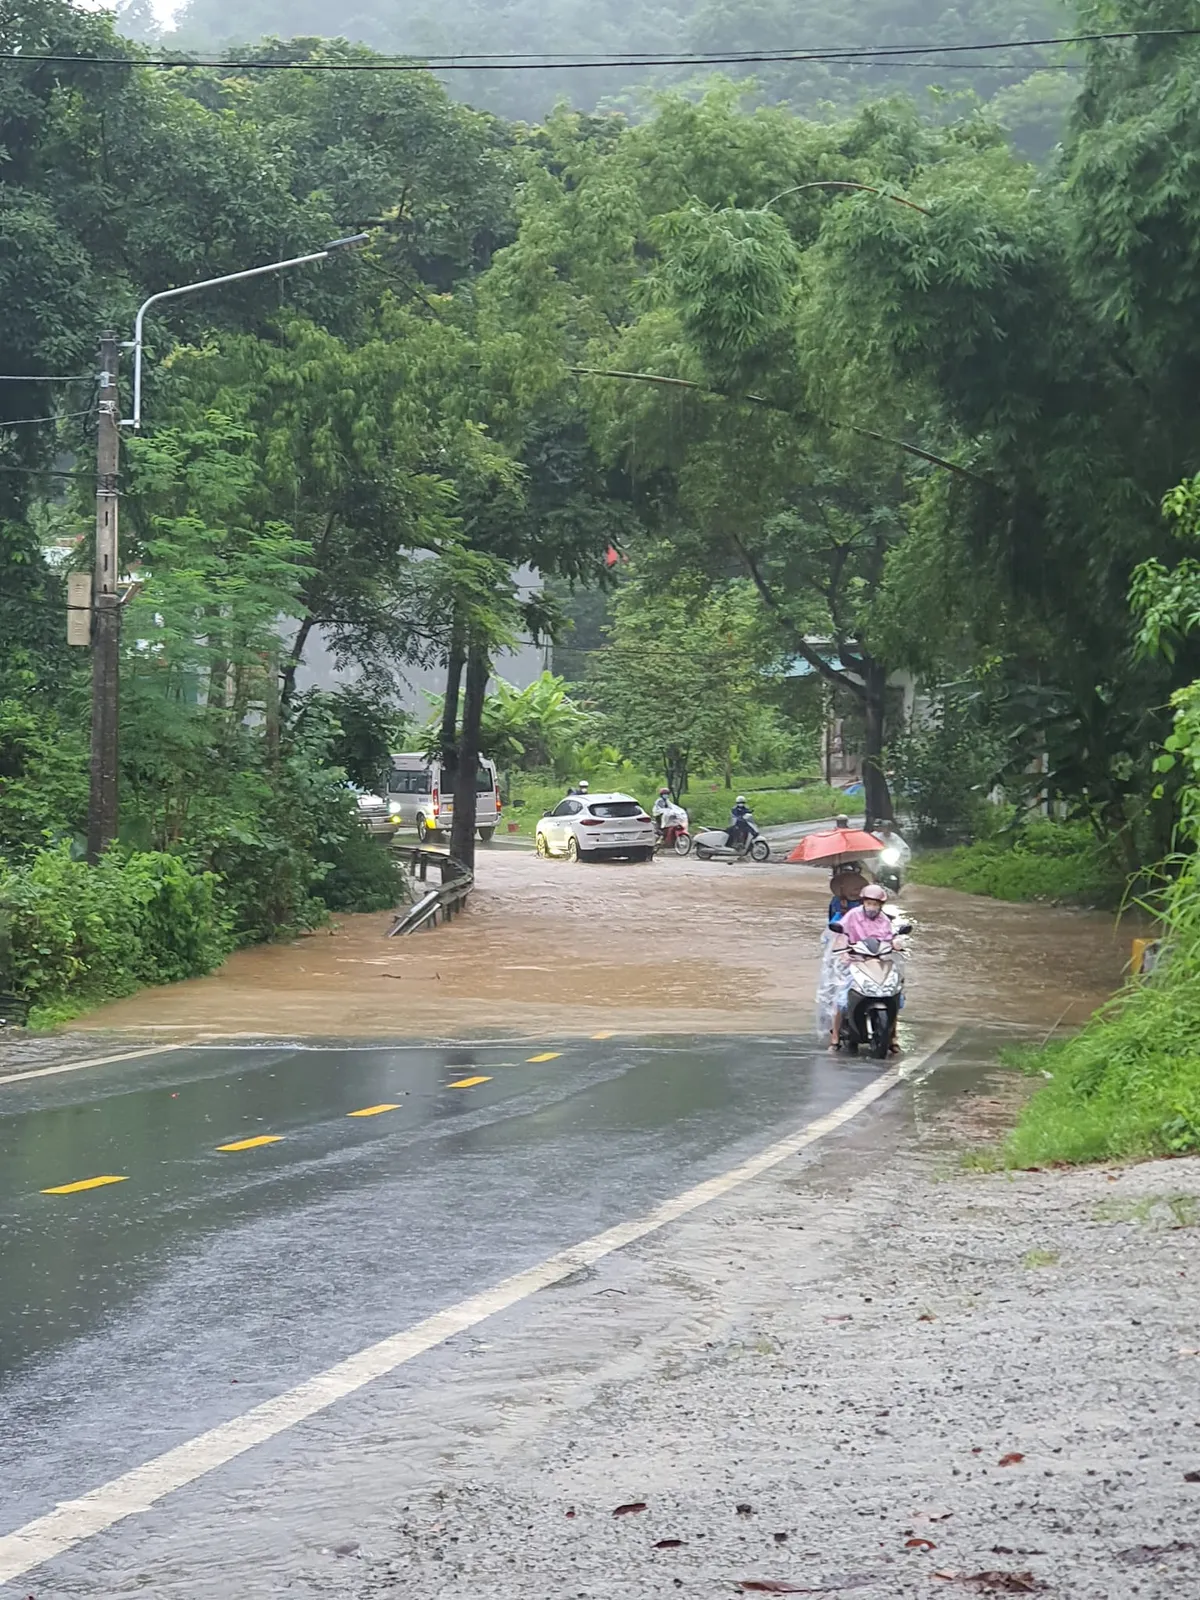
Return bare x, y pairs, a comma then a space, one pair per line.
365, 877
69, 931
43, 780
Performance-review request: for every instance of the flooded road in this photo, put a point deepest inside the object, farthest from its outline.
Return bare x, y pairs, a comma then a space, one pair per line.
679, 946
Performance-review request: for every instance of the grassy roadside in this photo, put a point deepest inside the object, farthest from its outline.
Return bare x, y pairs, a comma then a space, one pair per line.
1127, 1085
1044, 861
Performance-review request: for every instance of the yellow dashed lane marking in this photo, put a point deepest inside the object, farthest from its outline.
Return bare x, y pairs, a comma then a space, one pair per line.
468, 1083
252, 1144
602, 1036
550, 1055
87, 1183
372, 1111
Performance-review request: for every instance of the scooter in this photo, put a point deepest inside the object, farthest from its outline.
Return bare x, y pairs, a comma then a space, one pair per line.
876, 989
673, 832
714, 842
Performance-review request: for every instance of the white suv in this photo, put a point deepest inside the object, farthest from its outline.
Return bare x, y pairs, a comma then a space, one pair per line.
596, 825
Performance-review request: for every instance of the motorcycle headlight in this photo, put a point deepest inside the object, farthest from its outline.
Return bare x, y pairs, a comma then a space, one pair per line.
891, 857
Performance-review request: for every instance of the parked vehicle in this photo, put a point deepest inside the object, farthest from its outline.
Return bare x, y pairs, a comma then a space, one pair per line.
380, 818
673, 832
595, 826
713, 843
421, 792
876, 990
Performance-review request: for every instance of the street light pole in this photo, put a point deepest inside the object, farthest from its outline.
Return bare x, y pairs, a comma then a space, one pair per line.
103, 790
106, 615
135, 344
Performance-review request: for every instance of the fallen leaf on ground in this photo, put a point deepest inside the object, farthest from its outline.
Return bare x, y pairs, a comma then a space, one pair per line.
780, 1538
772, 1586
745, 1509
1191, 1477
932, 1516
628, 1510
668, 1544
570, 1511
927, 1316
1011, 1459
919, 1544
1145, 1555
999, 1582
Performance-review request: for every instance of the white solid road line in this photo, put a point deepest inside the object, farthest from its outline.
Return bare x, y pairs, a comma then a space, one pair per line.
70, 1523
92, 1061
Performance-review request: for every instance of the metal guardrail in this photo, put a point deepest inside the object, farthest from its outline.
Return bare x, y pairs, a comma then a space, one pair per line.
14, 1010
437, 905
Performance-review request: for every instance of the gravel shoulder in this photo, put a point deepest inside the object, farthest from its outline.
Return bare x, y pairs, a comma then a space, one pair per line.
796, 1384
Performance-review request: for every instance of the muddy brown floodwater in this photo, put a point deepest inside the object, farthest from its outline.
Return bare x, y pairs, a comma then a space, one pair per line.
680, 946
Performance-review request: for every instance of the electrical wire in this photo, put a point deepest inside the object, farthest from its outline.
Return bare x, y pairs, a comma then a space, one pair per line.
26, 377
30, 422
533, 61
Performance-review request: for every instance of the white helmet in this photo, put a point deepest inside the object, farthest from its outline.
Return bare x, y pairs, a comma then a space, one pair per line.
583, 787
740, 801
873, 892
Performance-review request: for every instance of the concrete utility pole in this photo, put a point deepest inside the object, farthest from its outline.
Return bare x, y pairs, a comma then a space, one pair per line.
103, 793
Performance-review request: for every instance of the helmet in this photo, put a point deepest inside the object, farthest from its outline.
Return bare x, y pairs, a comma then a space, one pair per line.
664, 790
741, 800
873, 892
583, 787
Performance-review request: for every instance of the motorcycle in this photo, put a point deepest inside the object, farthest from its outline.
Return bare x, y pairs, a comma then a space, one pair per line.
714, 842
673, 832
892, 862
876, 989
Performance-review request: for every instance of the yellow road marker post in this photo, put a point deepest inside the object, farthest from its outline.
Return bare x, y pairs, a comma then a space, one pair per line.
372, 1111
549, 1055
252, 1144
467, 1083
86, 1183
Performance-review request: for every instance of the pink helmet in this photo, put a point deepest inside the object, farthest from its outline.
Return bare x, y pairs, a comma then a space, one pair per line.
873, 892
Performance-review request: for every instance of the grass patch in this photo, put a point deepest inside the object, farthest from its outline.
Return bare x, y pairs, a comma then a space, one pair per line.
1040, 1258
1128, 1084
1046, 861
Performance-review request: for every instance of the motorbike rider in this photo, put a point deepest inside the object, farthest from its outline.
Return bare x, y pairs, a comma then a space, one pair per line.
581, 789
738, 831
846, 886
869, 920
662, 805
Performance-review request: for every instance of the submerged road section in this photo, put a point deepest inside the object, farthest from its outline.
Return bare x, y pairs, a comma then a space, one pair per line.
186, 1235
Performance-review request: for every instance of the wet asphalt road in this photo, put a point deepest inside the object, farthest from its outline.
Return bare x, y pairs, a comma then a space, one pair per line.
136, 1314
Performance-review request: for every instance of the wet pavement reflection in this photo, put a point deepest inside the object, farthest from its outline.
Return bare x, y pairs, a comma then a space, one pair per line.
135, 1315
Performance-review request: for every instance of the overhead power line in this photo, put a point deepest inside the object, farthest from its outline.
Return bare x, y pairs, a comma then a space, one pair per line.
40, 377
31, 422
899, 55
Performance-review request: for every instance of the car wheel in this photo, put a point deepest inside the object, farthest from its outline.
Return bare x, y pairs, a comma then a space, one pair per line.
487, 834
423, 831
540, 845
646, 855
572, 848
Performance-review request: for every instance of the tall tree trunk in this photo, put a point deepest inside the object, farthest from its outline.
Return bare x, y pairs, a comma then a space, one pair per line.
878, 799
294, 658
455, 662
462, 831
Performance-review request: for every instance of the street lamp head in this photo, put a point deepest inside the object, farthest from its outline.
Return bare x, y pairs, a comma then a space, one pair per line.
351, 242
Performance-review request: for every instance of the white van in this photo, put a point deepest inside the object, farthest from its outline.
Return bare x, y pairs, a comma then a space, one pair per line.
423, 796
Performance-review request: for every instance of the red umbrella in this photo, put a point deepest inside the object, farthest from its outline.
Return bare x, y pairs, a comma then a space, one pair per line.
836, 847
